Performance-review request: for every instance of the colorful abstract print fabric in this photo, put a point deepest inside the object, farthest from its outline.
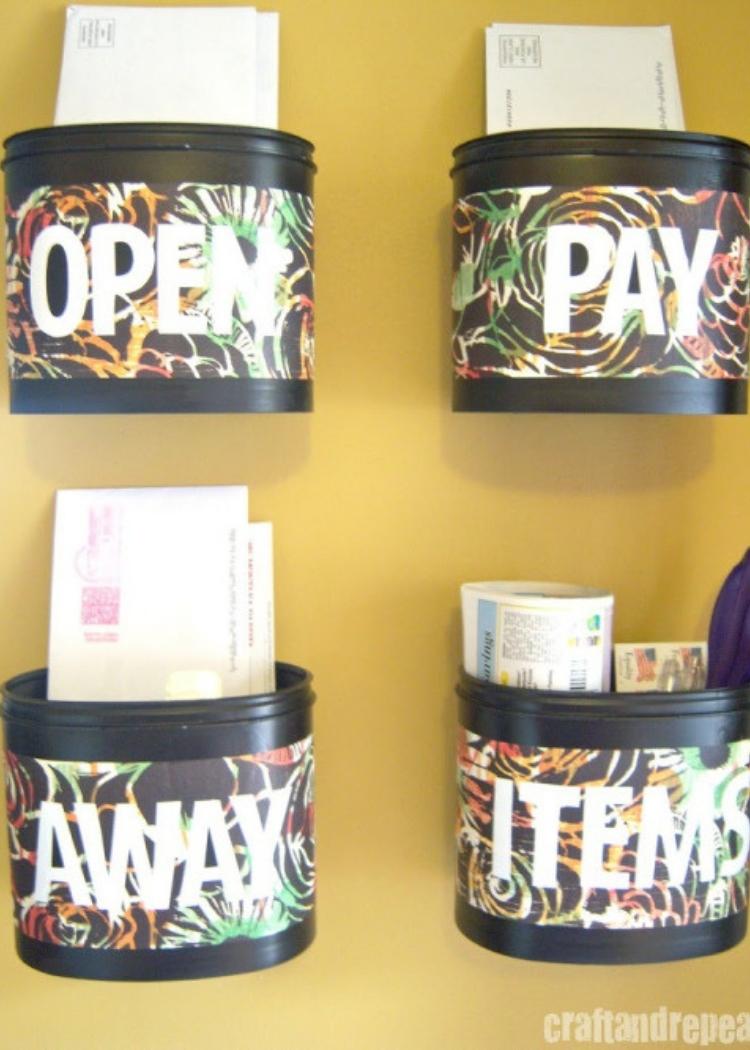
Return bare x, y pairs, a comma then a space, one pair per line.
503, 279
161, 855
666, 838
264, 235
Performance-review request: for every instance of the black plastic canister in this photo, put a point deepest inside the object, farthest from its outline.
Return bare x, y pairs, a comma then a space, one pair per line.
601, 270
603, 827
159, 268
160, 840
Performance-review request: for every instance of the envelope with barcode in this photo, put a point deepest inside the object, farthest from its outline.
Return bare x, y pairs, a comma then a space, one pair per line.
148, 583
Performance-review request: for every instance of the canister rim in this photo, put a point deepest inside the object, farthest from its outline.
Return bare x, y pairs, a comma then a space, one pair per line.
599, 707
24, 701
597, 142
186, 137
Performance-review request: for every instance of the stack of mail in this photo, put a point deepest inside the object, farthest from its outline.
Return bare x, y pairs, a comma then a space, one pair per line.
212, 65
155, 592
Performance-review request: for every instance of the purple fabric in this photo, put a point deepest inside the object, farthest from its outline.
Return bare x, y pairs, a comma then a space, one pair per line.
729, 633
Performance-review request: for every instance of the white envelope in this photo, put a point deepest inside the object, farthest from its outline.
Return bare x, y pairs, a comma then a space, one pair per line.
551, 76
213, 65
147, 582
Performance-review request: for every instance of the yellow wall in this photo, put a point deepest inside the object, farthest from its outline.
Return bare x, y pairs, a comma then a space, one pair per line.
383, 501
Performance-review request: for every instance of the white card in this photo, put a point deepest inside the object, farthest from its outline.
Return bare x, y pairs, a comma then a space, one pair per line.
213, 65
146, 583
261, 606
660, 666
267, 82
551, 76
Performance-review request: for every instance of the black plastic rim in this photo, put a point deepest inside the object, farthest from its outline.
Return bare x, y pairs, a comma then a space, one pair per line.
155, 730
611, 947
601, 142
172, 396
179, 964
79, 138
555, 704
666, 395
25, 700
538, 718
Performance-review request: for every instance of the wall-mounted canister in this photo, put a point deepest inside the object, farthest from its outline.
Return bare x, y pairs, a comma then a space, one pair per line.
601, 271
155, 840
159, 268
603, 827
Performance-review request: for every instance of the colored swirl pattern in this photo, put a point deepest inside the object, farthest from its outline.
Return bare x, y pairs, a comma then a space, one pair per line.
481, 761
499, 273
277, 223
215, 919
